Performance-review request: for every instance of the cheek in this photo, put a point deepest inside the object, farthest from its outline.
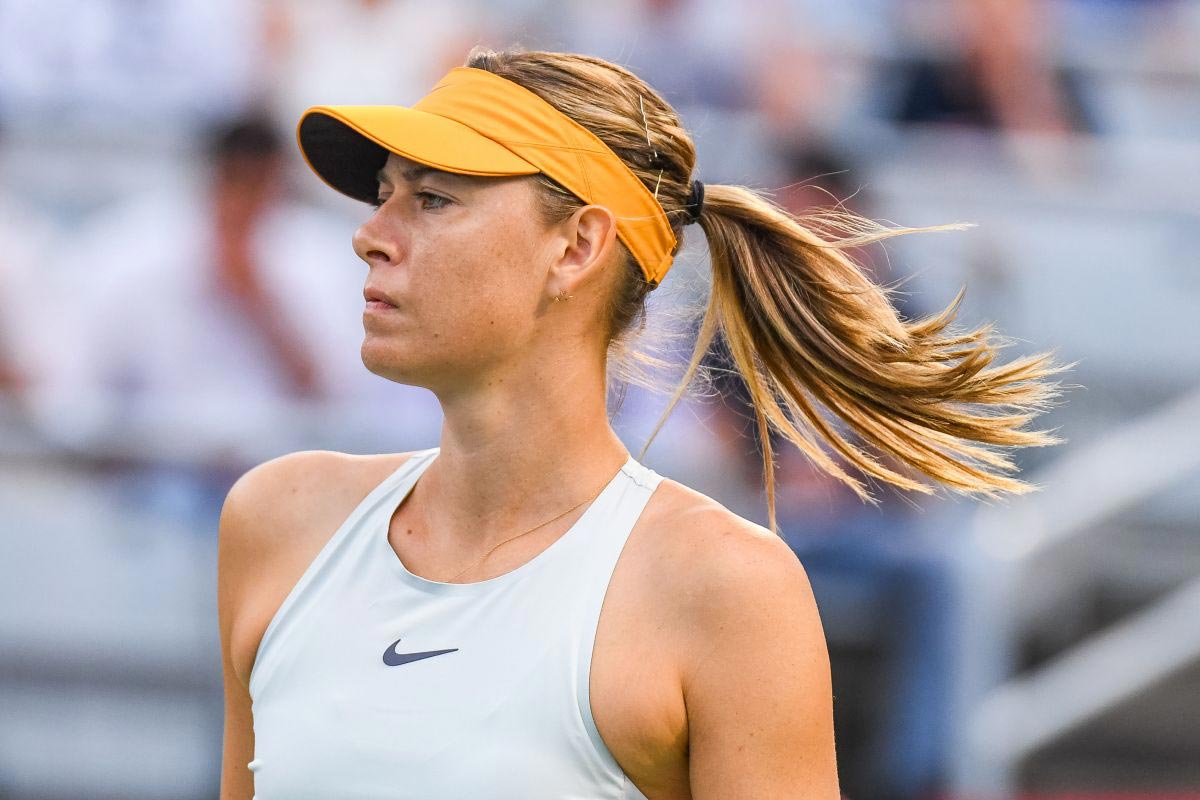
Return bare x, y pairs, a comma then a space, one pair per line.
472, 293
489, 319
491, 269
472, 283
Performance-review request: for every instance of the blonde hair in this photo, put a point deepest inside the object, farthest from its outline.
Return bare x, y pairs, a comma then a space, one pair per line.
826, 358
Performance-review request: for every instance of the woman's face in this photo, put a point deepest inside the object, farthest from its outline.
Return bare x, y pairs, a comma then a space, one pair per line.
462, 261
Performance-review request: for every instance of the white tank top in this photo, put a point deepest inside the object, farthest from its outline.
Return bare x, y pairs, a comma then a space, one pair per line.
371, 682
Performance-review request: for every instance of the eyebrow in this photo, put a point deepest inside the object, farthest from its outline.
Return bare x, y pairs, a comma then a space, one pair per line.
412, 174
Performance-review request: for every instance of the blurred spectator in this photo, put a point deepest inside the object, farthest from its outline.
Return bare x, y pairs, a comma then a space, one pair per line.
116, 89
203, 313
13, 294
815, 66
28, 297
989, 64
693, 52
889, 593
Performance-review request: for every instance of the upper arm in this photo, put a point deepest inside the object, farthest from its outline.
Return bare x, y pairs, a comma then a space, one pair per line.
756, 679
248, 532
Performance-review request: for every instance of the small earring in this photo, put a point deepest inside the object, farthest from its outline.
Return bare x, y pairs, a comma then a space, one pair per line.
563, 296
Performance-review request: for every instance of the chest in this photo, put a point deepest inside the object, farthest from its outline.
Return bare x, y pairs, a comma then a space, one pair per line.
636, 698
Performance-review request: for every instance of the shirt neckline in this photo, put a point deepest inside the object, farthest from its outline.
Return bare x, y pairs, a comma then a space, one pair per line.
410, 479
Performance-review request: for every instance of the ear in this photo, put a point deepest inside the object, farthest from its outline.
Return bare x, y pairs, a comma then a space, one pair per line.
588, 242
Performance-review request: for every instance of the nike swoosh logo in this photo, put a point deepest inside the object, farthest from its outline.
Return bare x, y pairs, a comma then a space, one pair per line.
394, 659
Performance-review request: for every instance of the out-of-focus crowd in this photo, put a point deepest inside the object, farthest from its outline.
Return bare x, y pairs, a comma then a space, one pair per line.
178, 295
167, 265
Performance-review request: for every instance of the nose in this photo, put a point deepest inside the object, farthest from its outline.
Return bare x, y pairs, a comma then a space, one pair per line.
374, 244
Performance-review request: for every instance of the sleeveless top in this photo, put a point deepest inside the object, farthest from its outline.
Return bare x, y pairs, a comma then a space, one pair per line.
371, 682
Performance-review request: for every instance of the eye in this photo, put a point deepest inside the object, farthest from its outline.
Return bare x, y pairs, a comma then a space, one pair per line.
437, 199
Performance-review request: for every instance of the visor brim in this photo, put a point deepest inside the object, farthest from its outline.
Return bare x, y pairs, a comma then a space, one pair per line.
346, 146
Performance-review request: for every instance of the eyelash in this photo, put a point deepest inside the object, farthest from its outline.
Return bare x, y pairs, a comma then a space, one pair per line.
379, 201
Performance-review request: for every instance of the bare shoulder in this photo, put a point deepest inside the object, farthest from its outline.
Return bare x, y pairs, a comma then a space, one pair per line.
753, 662
275, 519
270, 498
716, 551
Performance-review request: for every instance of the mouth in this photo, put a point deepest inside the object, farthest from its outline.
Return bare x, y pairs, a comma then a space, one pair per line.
377, 300
378, 306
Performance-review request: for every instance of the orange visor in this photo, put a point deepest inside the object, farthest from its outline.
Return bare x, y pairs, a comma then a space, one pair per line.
477, 123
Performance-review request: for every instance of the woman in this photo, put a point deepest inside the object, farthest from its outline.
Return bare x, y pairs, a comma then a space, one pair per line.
526, 610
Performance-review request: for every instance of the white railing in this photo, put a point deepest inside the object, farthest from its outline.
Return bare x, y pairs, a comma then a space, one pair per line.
1001, 718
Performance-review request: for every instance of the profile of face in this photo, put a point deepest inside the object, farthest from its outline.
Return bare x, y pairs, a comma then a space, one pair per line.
463, 262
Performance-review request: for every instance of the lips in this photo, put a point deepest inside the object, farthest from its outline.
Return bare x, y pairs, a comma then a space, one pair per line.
375, 296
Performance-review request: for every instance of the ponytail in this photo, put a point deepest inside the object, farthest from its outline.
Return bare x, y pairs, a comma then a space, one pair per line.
831, 365
828, 361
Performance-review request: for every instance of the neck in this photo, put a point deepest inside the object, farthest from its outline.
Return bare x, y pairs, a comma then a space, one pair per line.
516, 454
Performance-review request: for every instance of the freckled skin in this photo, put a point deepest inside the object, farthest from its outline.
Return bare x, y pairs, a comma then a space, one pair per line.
484, 254
526, 393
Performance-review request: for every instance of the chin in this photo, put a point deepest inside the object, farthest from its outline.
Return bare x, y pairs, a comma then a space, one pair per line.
382, 358
391, 362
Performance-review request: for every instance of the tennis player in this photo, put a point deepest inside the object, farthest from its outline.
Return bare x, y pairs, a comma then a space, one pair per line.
527, 611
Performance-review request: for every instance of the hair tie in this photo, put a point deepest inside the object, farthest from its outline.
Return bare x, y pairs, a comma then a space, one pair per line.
695, 202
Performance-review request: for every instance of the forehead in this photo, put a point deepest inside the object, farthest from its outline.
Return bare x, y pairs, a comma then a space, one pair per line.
399, 169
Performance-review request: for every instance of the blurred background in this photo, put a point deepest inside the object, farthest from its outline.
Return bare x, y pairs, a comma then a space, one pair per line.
179, 302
